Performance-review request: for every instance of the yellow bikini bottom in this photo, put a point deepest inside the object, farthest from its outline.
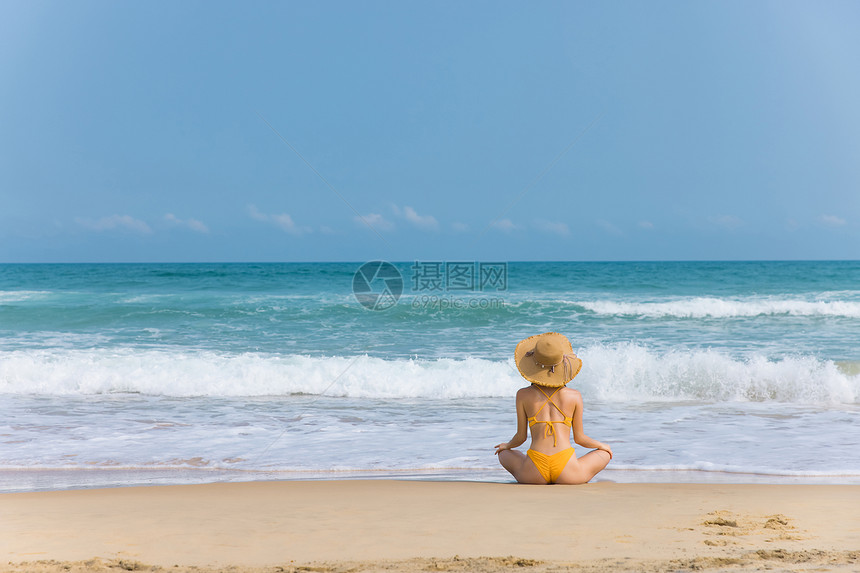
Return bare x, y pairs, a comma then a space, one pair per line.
550, 467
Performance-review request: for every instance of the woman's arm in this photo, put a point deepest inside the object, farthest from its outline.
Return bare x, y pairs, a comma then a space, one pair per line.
579, 435
522, 425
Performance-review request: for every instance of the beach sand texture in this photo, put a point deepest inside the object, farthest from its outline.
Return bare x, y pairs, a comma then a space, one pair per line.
386, 525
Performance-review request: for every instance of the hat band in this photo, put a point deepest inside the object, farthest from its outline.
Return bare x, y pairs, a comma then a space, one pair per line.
565, 361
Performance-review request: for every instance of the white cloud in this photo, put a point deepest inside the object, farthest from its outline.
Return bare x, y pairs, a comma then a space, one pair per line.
459, 227
256, 214
647, 225
285, 222
729, 222
553, 227
831, 221
282, 220
427, 222
505, 225
196, 225
375, 220
192, 224
115, 222
609, 227
422, 221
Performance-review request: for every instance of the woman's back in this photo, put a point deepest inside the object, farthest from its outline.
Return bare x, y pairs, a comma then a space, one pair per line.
550, 413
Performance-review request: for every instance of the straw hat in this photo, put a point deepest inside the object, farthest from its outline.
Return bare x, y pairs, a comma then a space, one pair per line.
547, 359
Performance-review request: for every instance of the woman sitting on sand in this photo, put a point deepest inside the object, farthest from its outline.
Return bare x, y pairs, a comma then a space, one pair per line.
548, 406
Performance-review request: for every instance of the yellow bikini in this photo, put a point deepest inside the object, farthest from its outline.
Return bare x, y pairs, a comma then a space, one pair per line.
550, 466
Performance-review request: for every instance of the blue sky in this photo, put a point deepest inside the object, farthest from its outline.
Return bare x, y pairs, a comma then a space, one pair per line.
441, 130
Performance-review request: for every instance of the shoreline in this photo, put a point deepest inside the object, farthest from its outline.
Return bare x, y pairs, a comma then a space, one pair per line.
23, 480
337, 524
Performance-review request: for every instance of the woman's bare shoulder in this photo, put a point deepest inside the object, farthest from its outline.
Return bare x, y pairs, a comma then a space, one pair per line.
572, 394
524, 392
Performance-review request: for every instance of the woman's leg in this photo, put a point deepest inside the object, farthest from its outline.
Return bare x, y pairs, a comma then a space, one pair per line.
581, 470
521, 467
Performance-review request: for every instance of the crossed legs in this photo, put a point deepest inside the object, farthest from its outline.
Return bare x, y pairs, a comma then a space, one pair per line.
577, 470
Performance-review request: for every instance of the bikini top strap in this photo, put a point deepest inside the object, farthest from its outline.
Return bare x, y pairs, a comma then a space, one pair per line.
551, 401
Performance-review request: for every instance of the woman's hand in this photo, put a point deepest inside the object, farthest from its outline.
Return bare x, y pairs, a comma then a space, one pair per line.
503, 446
606, 449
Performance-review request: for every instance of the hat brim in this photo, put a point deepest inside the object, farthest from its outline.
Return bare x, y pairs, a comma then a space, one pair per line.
531, 371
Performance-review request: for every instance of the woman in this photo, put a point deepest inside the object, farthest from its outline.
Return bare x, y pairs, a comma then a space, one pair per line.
551, 410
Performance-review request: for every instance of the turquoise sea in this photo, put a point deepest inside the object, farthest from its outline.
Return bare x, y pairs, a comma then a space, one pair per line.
176, 373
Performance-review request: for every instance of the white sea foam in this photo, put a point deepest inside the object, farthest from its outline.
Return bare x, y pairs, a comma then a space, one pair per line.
153, 372
728, 470
614, 373
709, 307
628, 371
7, 296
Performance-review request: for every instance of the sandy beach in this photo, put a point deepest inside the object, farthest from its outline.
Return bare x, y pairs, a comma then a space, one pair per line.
410, 525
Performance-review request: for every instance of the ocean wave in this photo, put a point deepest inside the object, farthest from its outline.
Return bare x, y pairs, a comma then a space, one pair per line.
614, 373
630, 371
7, 296
206, 373
710, 307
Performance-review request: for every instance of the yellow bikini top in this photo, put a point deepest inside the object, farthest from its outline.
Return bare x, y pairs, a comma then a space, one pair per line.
550, 429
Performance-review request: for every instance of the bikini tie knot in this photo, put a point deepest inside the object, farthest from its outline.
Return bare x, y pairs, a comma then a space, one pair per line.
550, 430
